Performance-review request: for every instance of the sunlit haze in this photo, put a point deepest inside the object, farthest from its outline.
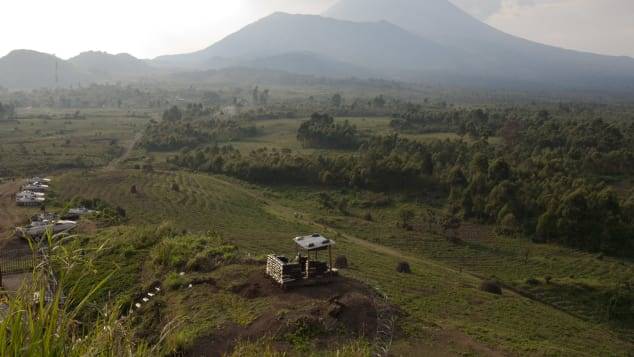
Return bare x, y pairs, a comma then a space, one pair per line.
147, 28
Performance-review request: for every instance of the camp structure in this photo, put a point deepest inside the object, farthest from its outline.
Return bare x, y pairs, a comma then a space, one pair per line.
29, 198
306, 269
39, 228
35, 187
37, 179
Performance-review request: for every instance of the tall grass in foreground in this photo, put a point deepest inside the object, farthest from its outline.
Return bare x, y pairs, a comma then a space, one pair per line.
41, 318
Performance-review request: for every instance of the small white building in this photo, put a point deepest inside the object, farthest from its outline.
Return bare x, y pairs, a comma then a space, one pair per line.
37, 179
29, 199
35, 187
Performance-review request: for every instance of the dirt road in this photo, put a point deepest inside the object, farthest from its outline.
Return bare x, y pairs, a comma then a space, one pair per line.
126, 153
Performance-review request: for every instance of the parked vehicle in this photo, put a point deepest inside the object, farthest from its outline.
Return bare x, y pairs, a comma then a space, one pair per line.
38, 228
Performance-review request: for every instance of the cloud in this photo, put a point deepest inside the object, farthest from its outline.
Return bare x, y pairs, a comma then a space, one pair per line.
605, 26
480, 9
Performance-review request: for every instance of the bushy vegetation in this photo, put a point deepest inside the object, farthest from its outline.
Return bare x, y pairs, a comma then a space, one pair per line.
104, 213
7, 111
322, 132
544, 180
42, 318
201, 253
195, 126
477, 123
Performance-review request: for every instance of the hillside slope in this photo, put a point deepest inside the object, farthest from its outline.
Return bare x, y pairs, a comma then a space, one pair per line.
106, 66
25, 69
493, 52
380, 46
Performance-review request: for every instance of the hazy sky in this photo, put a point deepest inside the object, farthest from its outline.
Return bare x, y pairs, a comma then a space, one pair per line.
148, 28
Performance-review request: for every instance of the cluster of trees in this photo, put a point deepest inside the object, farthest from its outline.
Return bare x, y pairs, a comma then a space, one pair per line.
7, 111
190, 128
260, 96
543, 180
105, 214
321, 131
476, 123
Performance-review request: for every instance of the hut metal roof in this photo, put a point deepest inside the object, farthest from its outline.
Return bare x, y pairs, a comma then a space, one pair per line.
314, 242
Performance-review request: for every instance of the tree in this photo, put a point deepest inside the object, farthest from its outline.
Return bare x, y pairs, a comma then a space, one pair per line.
321, 131
379, 101
499, 171
406, 216
173, 114
264, 97
255, 95
336, 100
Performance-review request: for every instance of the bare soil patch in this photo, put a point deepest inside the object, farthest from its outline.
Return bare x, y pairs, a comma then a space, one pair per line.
334, 312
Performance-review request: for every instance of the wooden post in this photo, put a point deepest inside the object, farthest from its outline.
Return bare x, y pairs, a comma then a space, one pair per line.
330, 259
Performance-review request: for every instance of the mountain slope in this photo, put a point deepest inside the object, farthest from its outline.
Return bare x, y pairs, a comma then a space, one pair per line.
307, 63
25, 69
106, 66
494, 53
379, 46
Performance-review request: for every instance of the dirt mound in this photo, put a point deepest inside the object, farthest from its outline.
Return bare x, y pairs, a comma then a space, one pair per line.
330, 313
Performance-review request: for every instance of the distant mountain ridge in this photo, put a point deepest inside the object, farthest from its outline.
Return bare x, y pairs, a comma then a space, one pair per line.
106, 66
26, 69
379, 46
412, 41
430, 42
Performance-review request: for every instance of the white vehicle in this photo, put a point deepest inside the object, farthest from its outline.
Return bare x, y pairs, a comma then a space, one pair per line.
29, 199
30, 193
80, 211
35, 187
37, 229
37, 179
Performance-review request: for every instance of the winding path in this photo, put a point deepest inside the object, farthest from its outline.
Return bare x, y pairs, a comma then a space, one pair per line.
126, 153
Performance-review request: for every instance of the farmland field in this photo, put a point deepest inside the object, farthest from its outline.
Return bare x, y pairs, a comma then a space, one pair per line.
555, 300
441, 303
38, 142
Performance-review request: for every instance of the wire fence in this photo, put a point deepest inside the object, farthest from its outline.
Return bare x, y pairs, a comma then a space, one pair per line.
18, 261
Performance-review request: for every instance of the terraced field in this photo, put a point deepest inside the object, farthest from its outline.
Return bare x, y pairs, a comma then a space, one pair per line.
575, 282
442, 307
202, 203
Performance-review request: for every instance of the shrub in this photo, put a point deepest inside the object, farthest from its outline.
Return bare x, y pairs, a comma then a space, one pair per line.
491, 287
341, 262
368, 216
133, 190
403, 267
532, 281
174, 281
193, 252
176, 187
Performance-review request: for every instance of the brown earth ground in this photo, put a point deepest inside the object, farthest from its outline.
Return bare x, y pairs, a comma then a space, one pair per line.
343, 305
11, 216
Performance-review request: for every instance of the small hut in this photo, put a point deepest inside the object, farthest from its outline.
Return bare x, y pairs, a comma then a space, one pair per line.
306, 269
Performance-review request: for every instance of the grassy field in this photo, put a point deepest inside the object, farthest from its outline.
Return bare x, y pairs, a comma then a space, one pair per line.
576, 282
38, 142
554, 301
443, 309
